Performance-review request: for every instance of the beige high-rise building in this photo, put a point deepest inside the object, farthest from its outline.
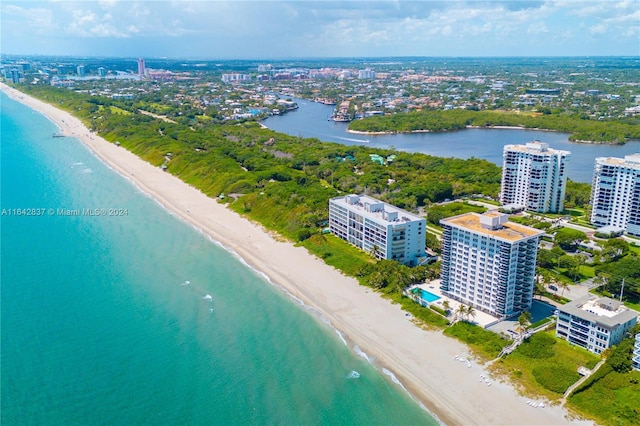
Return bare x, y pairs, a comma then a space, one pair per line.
489, 263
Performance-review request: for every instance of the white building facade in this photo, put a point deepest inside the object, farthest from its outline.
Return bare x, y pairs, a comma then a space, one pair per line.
636, 353
379, 228
595, 323
615, 194
489, 262
534, 177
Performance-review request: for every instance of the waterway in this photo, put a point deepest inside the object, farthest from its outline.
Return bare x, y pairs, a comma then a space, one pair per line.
310, 120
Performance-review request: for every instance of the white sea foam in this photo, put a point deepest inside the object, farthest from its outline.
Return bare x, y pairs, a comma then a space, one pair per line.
186, 283
208, 297
353, 374
360, 353
394, 379
341, 336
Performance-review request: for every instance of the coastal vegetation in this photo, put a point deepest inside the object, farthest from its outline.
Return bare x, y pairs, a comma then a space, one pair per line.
580, 127
483, 343
612, 394
545, 365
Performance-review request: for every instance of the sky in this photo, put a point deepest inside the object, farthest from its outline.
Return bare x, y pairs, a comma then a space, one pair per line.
211, 29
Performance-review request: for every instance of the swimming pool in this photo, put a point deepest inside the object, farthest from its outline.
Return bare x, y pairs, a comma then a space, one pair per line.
427, 296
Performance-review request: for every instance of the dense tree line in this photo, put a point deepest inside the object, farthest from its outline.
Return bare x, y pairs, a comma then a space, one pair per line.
580, 127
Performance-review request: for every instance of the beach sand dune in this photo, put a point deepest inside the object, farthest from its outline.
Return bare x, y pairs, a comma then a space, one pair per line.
422, 360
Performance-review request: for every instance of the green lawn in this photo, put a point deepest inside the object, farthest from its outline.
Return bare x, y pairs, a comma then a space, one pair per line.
574, 212
634, 306
545, 365
587, 271
116, 110
487, 201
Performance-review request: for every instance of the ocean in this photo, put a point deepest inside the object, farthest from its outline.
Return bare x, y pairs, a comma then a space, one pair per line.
114, 311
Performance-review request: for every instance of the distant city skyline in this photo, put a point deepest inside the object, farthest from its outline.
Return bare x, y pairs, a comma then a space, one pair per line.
298, 29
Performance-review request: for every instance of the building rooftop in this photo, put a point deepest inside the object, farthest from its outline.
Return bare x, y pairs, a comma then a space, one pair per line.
535, 147
602, 310
377, 210
502, 229
631, 161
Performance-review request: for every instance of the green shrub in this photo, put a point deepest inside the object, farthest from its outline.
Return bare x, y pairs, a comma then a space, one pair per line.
538, 346
556, 378
615, 380
438, 310
485, 342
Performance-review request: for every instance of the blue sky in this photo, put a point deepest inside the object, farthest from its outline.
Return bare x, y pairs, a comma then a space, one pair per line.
292, 29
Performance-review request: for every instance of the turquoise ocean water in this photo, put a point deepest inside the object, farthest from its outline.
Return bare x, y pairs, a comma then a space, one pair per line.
140, 319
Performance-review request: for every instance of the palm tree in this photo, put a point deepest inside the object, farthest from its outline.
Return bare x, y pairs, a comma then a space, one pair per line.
471, 312
376, 253
563, 285
524, 320
461, 312
378, 279
447, 306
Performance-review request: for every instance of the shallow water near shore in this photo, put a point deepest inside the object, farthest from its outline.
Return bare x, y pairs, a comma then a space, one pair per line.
131, 316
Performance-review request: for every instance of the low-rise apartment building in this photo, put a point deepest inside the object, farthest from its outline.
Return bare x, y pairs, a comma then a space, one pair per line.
381, 229
595, 323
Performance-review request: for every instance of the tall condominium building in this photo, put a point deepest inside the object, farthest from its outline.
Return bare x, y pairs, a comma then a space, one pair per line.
141, 68
379, 228
81, 70
534, 177
593, 322
615, 194
489, 262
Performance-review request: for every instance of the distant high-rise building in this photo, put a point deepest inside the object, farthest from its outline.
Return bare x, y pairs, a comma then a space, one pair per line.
80, 70
615, 194
534, 177
141, 68
489, 262
366, 73
235, 78
102, 72
15, 75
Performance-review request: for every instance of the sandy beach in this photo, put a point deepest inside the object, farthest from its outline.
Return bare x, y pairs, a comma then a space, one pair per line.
423, 361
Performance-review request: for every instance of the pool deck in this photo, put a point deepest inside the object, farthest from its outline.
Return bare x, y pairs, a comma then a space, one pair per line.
482, 319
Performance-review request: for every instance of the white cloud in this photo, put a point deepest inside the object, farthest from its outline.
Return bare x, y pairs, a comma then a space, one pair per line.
331, 28
598, 29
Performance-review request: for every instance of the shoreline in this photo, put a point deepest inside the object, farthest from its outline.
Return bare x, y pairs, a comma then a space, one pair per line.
362, 132
421, 360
